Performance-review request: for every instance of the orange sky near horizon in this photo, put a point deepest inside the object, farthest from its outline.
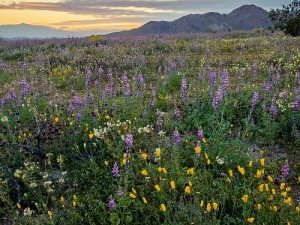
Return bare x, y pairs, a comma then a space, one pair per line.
111, 15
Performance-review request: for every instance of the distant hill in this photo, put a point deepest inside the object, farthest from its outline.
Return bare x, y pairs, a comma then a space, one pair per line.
32, 31
246, 17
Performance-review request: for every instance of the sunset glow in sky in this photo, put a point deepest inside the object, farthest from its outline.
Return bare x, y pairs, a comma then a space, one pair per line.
113, 15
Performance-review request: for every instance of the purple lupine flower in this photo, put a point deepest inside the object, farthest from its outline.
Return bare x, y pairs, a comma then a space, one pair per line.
217, 99
285, 170
120, 192
108, 89
75, 105
212, 76
78, 116
100, 71
176, 137
296, 103
254, 100
141, 81
127, 90
88, 79
200, 134
91, 98
225, 81
199, 78
111, 204
176, 113
97, 83
273, 110
124, 79
267, 86
129, 140
207, 52
25, 87
183, 88
116, 171
153, 93
254, 68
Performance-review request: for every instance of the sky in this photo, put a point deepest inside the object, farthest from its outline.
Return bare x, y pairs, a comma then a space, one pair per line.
113, 15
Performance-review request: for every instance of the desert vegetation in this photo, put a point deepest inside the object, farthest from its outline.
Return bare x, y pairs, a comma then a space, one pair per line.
169, 129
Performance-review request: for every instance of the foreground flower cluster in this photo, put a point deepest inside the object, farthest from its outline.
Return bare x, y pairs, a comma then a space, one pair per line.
178, 130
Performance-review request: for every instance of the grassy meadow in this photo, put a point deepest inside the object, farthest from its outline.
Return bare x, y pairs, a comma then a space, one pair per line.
178, 129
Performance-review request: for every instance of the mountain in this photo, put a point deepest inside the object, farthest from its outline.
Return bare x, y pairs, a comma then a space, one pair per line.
246, 17
32, 31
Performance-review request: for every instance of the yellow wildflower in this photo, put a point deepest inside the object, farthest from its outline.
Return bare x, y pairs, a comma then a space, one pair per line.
215, 206
288, 189
50, 214
204, 140
157, 152
201, 203
208, 207
270, 179
144, 156
267, 187
106, 163
273, 191
144, 172
172, 184
245, 198
206, 155
208, 161
157, 187
259, 206
271, 197
187, 189
164, 170
107, 117
250, 220
18, 206
197, 150
144, 200
91, 135
74, 203
288, 201
56, 119
230, 173
131, 195
163, 207
74, 197
262, 162
261, 187
298, 208
284, 194
241, 170
133, 191
250, 163
190, 183
282, 185
191, 171
258, 174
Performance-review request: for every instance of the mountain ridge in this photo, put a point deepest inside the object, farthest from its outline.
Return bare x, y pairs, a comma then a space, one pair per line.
246, 17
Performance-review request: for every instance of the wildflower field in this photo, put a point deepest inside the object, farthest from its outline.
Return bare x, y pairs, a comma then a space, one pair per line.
184, 129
